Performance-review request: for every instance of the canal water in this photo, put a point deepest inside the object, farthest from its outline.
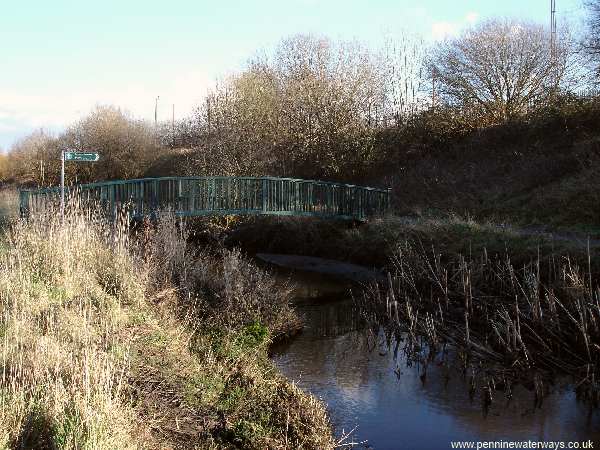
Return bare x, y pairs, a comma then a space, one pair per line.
387, 401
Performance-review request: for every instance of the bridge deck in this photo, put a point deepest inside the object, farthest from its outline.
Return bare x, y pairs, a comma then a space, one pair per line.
198, 196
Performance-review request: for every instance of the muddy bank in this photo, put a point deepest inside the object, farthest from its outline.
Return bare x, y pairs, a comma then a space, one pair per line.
337, 269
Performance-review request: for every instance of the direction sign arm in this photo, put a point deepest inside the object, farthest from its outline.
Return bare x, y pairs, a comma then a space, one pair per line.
82, 156
62, 186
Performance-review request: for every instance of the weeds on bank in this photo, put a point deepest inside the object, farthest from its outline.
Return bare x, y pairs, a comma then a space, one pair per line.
235, 310
116, 341
63, 294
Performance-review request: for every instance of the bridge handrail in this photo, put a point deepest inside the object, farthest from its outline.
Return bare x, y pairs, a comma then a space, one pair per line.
137, 180
202, 195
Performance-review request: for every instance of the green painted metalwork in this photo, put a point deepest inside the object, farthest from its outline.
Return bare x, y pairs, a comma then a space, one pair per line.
203, 196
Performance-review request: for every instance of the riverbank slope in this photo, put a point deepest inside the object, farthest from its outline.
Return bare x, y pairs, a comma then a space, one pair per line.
119, 341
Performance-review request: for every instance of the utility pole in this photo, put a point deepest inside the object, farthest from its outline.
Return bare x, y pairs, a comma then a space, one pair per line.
71, 156
41, 183
173, 125
553, 28
62, 187
433, 80
553, 42
156, 110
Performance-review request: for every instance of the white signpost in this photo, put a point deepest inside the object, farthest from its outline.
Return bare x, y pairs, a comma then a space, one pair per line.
76, 157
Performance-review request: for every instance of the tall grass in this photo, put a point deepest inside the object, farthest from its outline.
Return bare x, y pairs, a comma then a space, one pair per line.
62, 292
235, 310
221, 285
115, 340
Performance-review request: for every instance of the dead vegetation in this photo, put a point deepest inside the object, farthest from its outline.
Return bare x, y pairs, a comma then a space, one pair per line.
507, 323
102, 346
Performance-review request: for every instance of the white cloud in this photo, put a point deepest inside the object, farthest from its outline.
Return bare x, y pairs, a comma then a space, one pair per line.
57, 110
471, 17
442, 30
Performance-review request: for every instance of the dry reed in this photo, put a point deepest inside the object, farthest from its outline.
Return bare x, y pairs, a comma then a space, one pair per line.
102, 346
507, 324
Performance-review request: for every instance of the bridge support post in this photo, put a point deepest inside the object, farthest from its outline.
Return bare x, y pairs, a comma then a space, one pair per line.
23, 204
154, 196
264, 196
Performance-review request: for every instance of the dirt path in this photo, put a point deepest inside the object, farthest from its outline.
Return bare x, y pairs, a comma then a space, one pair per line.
578, 238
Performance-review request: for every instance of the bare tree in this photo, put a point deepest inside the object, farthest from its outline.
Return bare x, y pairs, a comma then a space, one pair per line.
404, 78
306, 110
591, 40
32, 157
499, 68
127, 146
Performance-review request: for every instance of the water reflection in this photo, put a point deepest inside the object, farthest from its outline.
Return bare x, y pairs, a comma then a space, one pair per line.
386, 398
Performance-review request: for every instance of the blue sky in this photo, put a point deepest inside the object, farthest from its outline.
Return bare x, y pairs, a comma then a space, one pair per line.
59, 58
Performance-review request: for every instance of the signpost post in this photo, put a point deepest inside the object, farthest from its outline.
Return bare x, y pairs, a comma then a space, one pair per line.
76, 157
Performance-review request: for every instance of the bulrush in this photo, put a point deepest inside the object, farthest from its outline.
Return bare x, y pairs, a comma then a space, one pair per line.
527, 324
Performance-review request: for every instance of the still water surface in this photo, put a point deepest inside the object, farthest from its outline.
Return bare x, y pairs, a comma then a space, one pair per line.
364, 386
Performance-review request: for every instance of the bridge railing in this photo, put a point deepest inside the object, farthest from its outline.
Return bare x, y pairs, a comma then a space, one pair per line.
196, 196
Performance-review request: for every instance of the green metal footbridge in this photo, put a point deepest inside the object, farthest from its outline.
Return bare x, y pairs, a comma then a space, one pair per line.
205, 196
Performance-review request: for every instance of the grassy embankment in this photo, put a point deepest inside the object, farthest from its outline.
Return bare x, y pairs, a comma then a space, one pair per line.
540, 170
500, 188
374, 243
108, 342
